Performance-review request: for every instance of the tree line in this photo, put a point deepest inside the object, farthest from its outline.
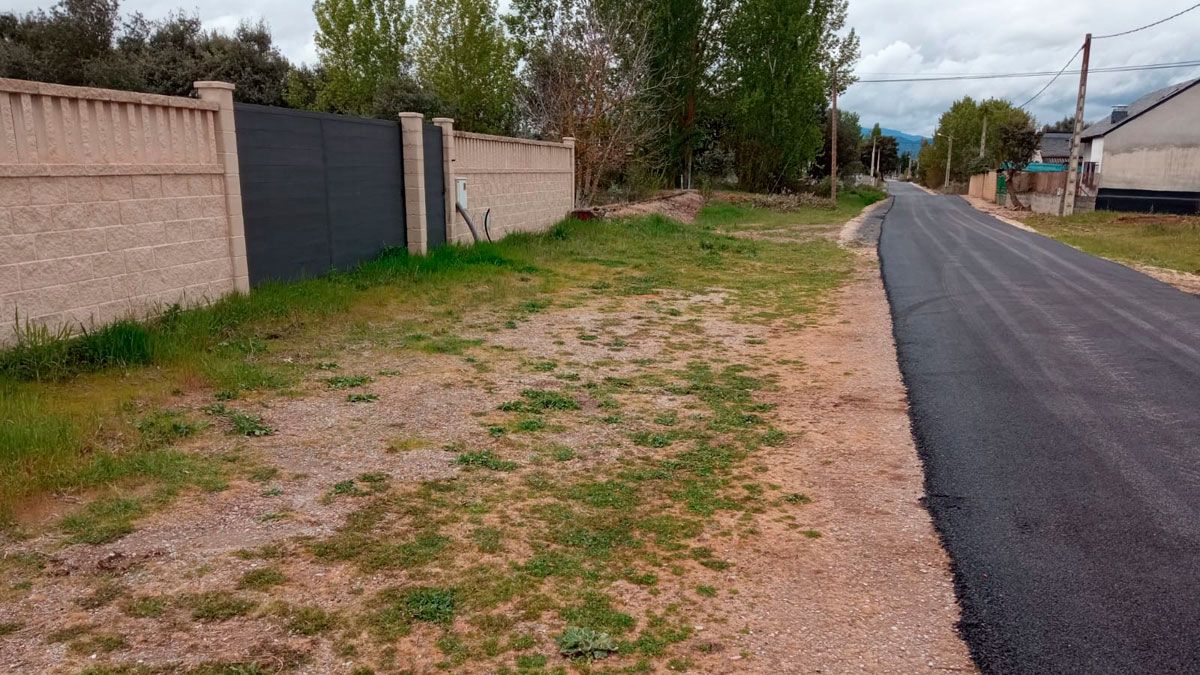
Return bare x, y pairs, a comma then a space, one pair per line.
658, 93
987, 135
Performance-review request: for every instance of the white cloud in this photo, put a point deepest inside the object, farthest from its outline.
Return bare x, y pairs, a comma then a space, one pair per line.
931, 37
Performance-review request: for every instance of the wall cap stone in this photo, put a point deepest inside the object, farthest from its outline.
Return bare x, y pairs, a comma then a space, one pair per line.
93, 93
508, 139
213, 84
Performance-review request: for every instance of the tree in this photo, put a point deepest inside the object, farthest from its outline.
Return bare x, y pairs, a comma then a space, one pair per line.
849, 142
684, 39
965, 122
84, 42
586, 75
362, 46
1017, 141
776, 87
1065, 125
467, 60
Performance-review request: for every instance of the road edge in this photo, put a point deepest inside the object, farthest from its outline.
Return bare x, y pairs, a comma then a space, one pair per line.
962, 627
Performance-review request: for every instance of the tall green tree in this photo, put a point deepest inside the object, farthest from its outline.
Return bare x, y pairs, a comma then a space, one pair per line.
965, 121
849, 142
776, 85
684, 37
362, 45
465, 57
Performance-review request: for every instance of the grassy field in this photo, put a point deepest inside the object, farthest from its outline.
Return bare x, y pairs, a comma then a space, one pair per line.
586, 497
1172, 242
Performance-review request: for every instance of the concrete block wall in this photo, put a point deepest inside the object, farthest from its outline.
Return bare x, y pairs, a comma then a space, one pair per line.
112, 204
528, 185
117, 204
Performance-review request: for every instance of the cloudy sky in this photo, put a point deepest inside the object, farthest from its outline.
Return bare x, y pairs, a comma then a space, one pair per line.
915, 37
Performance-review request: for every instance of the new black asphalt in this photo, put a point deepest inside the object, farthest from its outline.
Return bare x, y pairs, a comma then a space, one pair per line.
1055, 400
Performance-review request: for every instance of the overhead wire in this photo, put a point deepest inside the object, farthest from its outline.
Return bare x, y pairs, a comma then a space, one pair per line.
1000, 76
1149, 25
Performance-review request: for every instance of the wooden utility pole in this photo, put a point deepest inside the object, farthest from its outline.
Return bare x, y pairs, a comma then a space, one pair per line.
1067, 206
873, 140
949, 153
833, 144
983, 137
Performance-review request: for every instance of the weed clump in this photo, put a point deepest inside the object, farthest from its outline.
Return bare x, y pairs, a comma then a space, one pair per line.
585, 644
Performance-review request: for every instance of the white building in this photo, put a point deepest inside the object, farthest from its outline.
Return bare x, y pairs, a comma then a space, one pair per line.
1146, 156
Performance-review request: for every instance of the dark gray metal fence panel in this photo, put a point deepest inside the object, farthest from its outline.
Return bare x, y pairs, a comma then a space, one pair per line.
364, 177
319, 191
284, 205
435, 190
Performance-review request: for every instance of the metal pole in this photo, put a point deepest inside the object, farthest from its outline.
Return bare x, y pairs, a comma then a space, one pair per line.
1067, 206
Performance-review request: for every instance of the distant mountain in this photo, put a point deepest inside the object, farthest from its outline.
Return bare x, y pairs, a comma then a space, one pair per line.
910, 143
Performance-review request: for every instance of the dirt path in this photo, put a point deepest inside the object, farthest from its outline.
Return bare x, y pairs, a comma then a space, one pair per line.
874, 592
720, 495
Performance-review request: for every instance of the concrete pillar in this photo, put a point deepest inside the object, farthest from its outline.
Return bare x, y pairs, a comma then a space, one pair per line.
569, 141
454, 233
414, 181
221, 93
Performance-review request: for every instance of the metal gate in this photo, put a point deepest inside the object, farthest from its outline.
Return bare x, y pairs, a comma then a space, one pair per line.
319, 191
435, 186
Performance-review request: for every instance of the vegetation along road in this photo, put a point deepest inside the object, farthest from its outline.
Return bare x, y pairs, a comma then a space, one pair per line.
618, 446
1054, 401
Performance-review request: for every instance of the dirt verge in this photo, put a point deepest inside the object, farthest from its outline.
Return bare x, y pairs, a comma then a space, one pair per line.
682, 205
860, 582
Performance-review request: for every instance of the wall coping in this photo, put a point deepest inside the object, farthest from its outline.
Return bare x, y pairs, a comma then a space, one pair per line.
509, 139
139, 169
97, 94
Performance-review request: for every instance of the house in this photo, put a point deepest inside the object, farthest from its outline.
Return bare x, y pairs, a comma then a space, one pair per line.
1055, 148
1146, 156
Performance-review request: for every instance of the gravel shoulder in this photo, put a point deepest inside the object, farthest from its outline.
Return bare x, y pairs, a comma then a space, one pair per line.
874, 593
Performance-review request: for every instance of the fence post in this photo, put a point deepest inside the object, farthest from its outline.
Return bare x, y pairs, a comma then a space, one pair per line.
414, 181
569, 141
221, 93
447, 126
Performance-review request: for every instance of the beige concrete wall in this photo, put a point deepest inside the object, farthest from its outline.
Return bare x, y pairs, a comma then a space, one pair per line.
112, 204
983, 186
1158, 150
528, 185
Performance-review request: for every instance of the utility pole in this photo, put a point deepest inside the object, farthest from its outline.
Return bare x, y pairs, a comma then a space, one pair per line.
983, 137
833, 181
873, 141
949, 152
1067, 206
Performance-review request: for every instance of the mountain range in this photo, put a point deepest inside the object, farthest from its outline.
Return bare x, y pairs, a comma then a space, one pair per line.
910, 143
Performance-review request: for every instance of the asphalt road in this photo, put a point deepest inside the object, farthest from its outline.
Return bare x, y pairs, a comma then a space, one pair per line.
1055, 400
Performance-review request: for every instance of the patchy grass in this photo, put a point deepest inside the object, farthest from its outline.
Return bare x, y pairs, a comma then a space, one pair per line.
213, 606
261, 579
1162, 240
526, 552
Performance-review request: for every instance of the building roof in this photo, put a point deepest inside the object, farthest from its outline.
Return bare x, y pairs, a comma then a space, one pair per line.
1055, 144
1137, 108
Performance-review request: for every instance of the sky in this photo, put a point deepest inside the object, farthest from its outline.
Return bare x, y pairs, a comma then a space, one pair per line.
914, 37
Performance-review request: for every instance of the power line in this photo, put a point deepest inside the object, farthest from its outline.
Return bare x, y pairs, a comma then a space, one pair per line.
997, 76
1053, 79
1149, 25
